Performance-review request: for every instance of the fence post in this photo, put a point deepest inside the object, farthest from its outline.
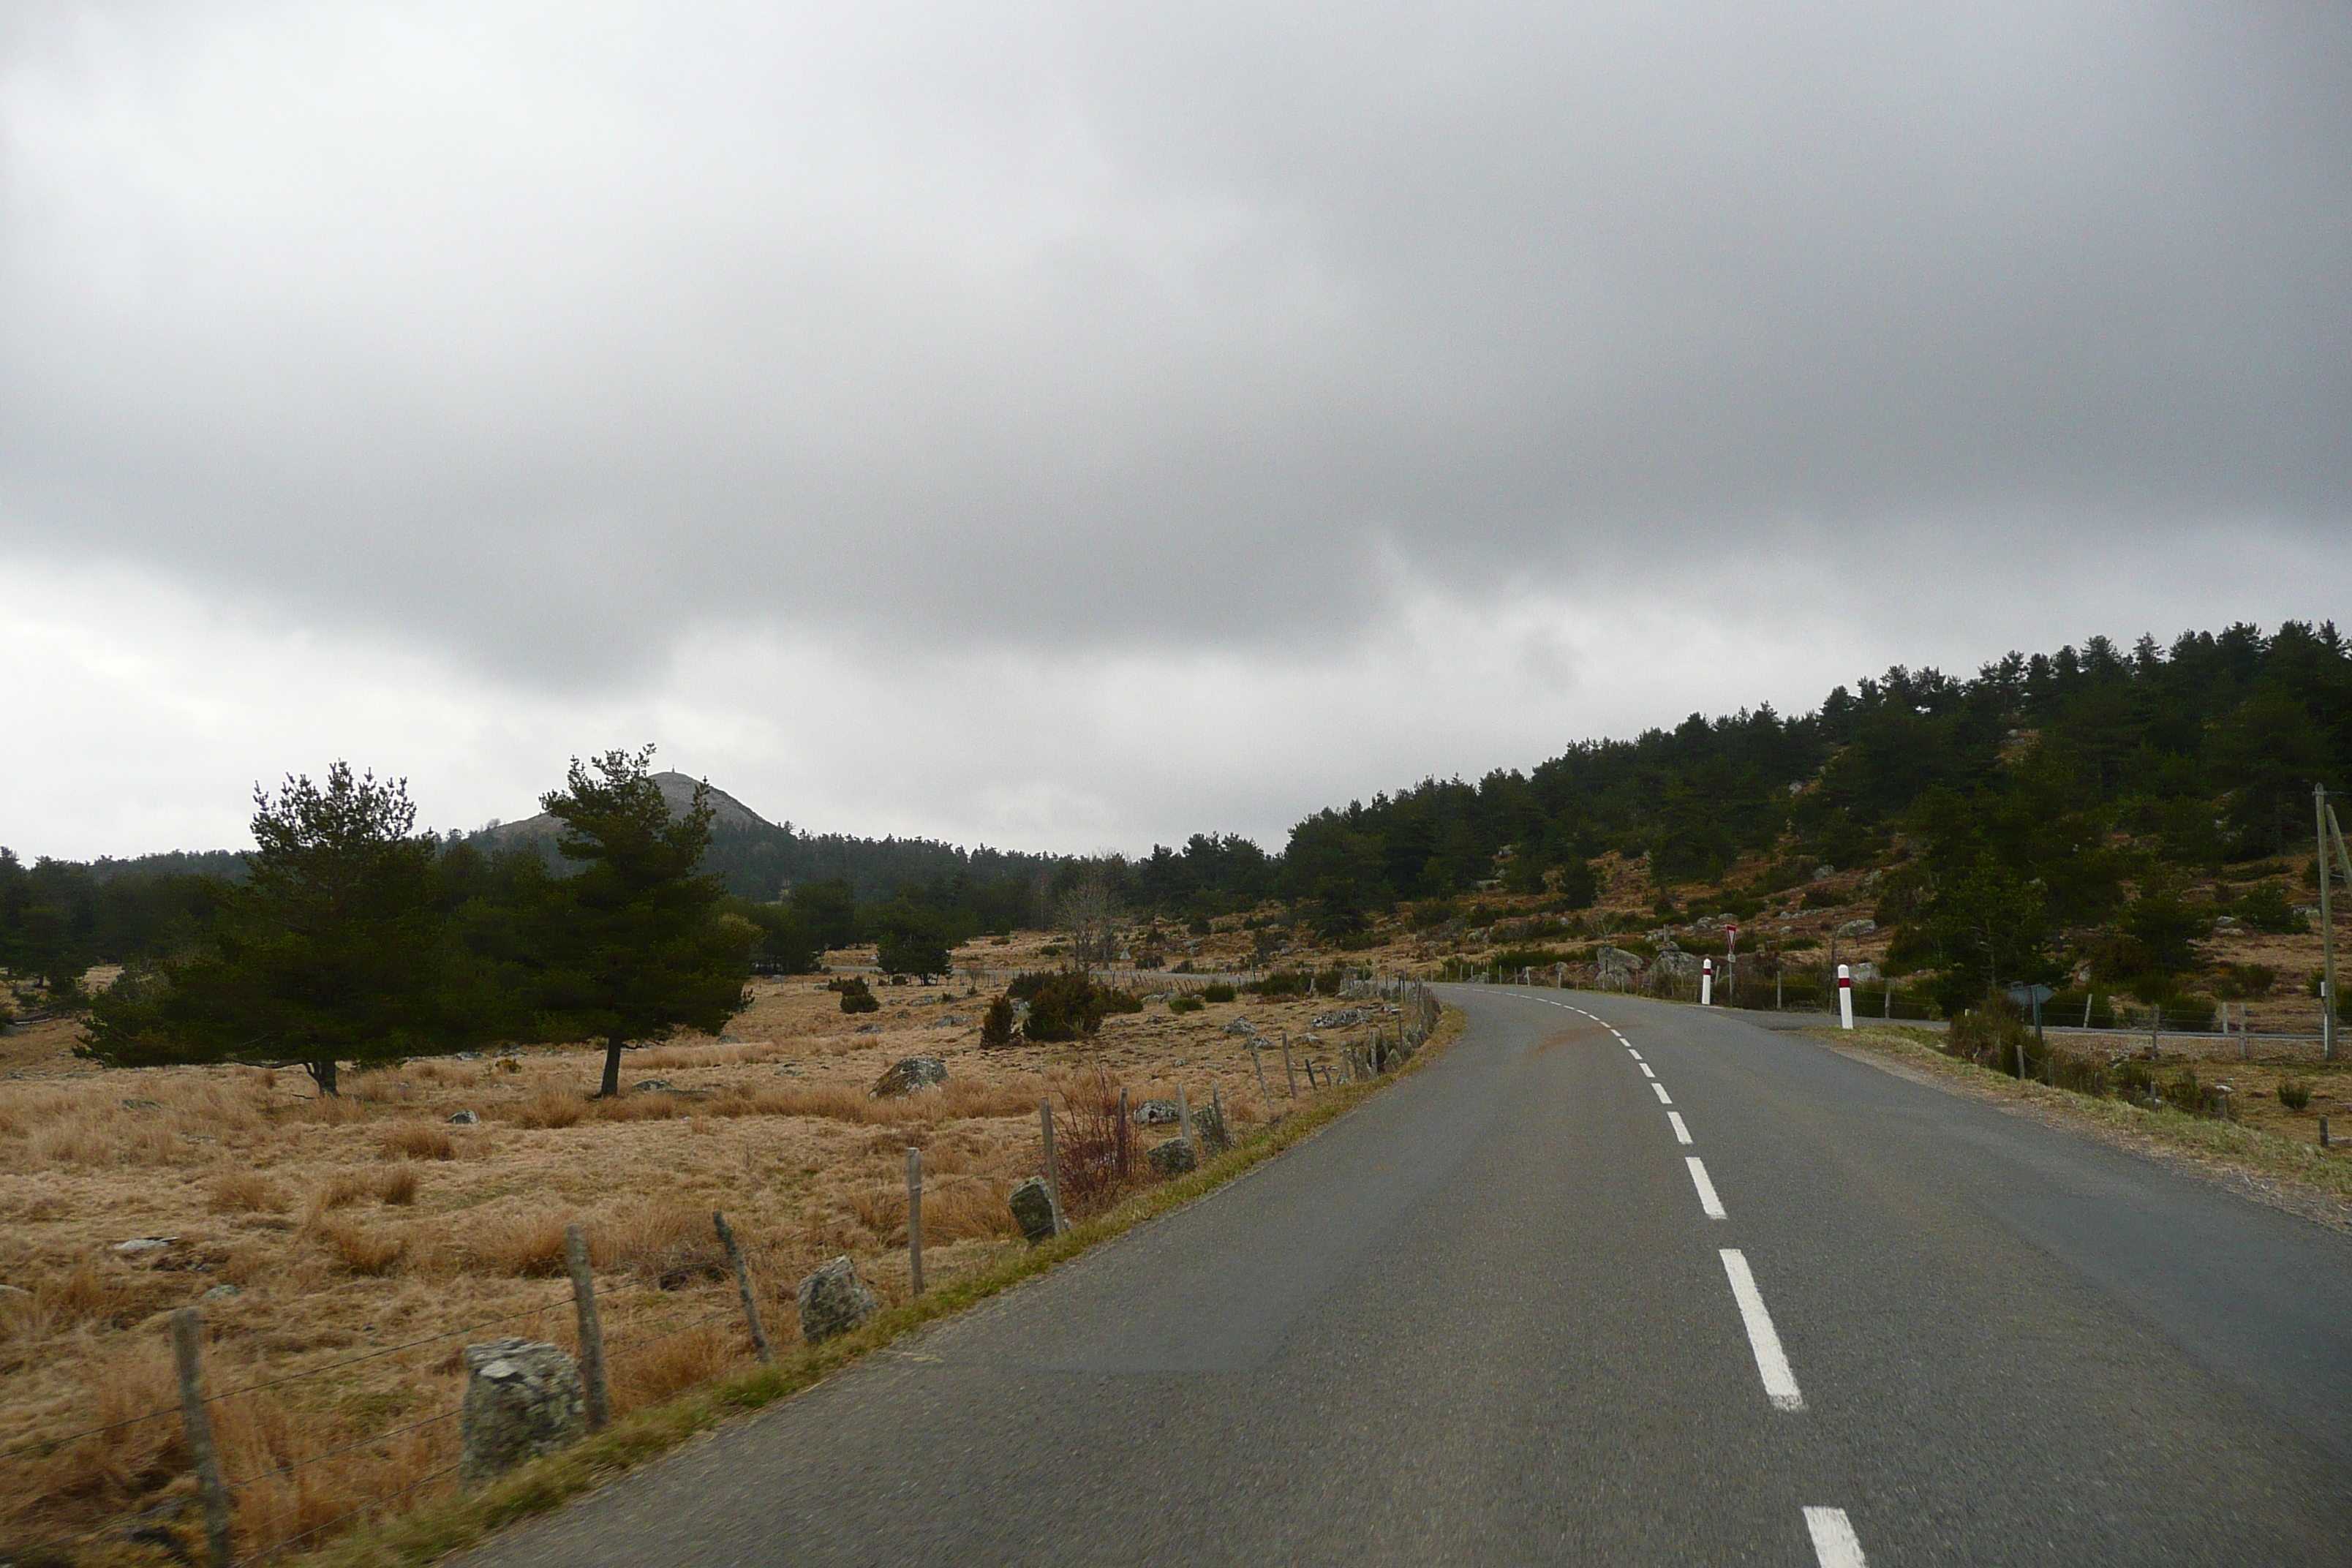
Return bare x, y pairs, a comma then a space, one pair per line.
195, 1418
1184, 1118
1258, 1060
914, 1220
597, 1404
1289, 1073
1053, 1170
743, 1285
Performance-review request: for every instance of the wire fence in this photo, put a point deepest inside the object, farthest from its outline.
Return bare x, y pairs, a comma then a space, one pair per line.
155, 1526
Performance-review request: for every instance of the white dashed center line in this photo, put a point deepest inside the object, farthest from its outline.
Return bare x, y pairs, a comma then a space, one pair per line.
1682, 1133
1771, 1363
1706, 1198
1661, 1091
1833, 1539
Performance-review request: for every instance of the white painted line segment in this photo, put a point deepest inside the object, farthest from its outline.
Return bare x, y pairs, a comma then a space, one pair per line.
1634, 1054
1682, 1133
1835, 1541
1661, 1090
1706, 1198
1646, 1070
1772, 1364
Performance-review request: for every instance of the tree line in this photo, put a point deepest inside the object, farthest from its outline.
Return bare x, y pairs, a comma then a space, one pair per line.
2043, 809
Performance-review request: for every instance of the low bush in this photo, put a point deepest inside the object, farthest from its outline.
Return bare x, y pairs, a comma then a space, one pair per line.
857, 996
996, 1024
1067, 1005
2267, 909
416, 1140
2294, 1094
1185, 1005
1218, 992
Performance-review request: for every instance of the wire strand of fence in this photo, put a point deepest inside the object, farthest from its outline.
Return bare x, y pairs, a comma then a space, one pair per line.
345, 1448
673, 1333
563, 1300
88, 1432
350, 1513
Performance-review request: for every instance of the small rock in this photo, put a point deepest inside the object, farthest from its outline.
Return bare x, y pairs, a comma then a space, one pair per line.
1823, 873
523, 1399
948, 1021
834, 1300
650, 1084
1864, 972
465, 1119
466, 1055
1157, 1113
223, 1293
140, 1105
139, 1246
1033, 1209
1617, 958
869, 1029
15, 1292
1338, 1020
1861, 927
1172, 1157
1241, 1027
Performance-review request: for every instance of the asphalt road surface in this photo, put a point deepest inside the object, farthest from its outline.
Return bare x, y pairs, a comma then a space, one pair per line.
1634, 1284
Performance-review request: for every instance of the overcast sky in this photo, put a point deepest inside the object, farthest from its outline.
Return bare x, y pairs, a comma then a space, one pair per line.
1074, 427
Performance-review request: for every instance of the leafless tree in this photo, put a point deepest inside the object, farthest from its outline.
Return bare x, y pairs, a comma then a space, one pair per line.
1091, 916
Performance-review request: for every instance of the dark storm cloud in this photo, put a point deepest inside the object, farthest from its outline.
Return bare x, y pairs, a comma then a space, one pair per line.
542, 333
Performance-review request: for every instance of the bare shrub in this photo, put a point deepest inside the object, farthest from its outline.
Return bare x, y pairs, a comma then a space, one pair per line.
246, 1191
1099, 1157
399, 1187
967, 1211
416, 1140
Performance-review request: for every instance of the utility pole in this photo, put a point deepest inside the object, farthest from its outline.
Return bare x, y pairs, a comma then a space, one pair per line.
2327, 931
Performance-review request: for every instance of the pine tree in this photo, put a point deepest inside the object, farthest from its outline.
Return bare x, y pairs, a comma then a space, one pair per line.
637, 946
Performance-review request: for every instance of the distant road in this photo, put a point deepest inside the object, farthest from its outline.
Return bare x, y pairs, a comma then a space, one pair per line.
1504, 1314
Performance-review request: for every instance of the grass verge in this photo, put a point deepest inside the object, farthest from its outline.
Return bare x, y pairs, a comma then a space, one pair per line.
439, 1528
2285, 1174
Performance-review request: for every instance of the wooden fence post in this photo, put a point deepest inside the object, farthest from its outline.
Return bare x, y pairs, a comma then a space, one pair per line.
1184, 1118
1289, 1073
1053, 1170
1258, 1060
597, 1403
195, 1418
914, 1220
743, 1286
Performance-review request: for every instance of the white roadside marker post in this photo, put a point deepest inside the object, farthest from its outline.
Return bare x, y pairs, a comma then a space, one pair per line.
1706, 983
1845, 996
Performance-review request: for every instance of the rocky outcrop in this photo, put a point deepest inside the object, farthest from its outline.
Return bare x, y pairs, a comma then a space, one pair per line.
910, 1076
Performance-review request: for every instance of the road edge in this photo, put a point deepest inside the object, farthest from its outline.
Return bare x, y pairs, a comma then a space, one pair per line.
2265, 1170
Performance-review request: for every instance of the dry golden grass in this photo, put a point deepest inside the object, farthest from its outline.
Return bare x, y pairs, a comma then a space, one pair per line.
352, 1227
416, 1140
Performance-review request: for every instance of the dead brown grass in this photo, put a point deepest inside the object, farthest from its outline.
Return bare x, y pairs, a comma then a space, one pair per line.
366, 1221
416, 1140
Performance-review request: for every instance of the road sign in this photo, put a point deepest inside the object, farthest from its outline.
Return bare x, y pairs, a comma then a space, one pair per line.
2031, 995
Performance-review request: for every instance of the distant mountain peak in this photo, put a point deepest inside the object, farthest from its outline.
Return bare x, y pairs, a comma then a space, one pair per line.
726, 814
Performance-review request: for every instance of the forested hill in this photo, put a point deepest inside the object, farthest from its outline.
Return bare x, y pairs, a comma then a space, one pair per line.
2200, 753
2034, 798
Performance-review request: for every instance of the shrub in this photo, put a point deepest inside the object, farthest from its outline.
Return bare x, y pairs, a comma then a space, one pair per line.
857, 996
1185, 1005
1218, 991
248, 1192
360, 1252
996, 1025
2267, 909
1991, 1034
1067, 1005
2294, 1095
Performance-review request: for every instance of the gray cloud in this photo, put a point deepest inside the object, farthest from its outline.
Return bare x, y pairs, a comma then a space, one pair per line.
543, 337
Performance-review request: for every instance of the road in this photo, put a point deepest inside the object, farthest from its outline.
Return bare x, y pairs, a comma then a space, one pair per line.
1503, 1314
